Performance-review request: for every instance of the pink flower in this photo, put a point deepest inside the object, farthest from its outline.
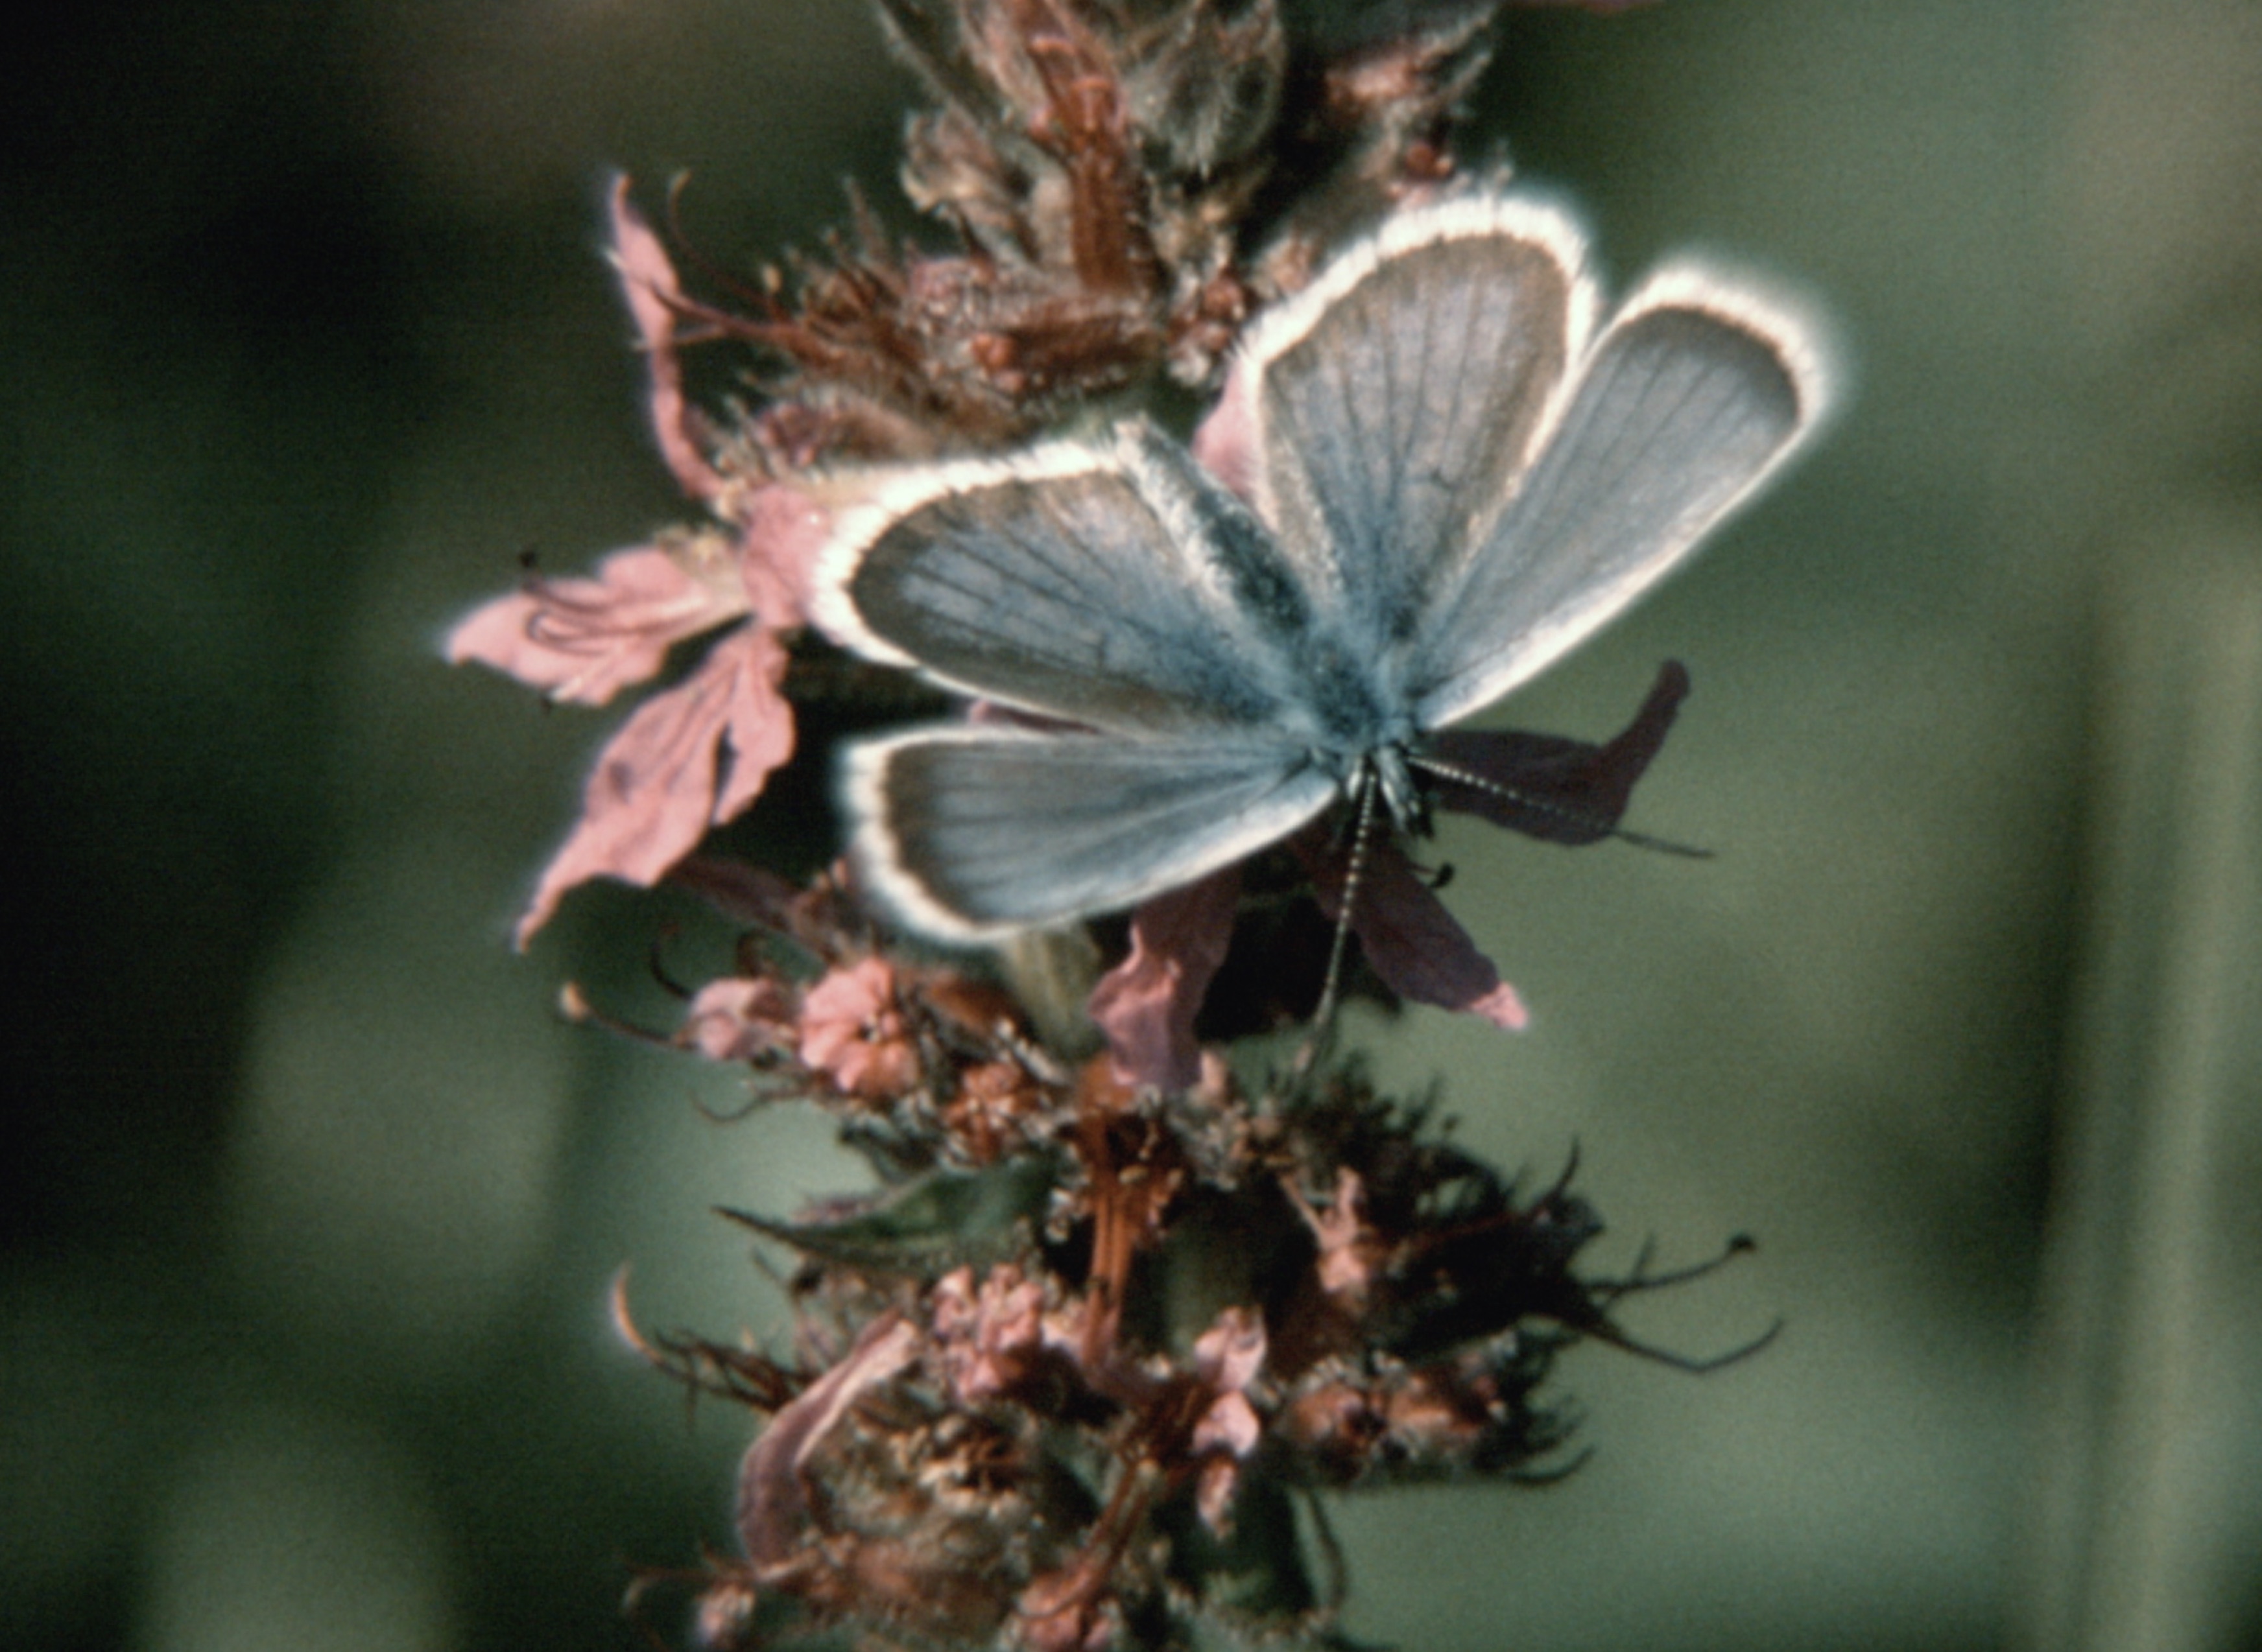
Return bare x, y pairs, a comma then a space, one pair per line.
988, 1337
852, 1028
695, 755
582, 640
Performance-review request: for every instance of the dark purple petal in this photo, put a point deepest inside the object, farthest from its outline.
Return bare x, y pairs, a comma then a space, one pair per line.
1417, 947
1563, 791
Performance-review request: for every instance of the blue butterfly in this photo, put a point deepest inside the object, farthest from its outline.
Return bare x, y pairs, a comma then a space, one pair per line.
1450, 472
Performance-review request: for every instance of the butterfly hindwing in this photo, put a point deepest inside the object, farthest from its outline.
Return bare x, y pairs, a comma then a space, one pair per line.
976, 832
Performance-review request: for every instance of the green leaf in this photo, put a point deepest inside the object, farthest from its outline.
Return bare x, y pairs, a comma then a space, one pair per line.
931, 1224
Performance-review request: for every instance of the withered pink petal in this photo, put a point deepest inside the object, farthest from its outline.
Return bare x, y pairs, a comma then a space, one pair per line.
1214, 1493
1066, 1329
758, 721
582, 640
782, 530
1417, 947
737, 1018
1228, 1357
774, 1505
1232, 1423
952, 1307
1231, 1352
1145, 1007
648, 282
1563, 791
689, 759
1345, 1269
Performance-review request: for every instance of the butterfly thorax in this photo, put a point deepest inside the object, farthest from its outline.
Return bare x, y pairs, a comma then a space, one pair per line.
1340, 700
1393, 777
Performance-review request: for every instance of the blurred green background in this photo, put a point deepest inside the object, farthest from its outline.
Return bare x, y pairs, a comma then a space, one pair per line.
311, 1203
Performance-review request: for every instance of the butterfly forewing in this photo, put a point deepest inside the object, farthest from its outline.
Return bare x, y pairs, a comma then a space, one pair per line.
1397, 398
1098, 585
1685, 404
976, 832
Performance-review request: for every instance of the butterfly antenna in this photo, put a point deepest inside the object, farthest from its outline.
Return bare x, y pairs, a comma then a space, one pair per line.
1541, 806
1323, 1017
